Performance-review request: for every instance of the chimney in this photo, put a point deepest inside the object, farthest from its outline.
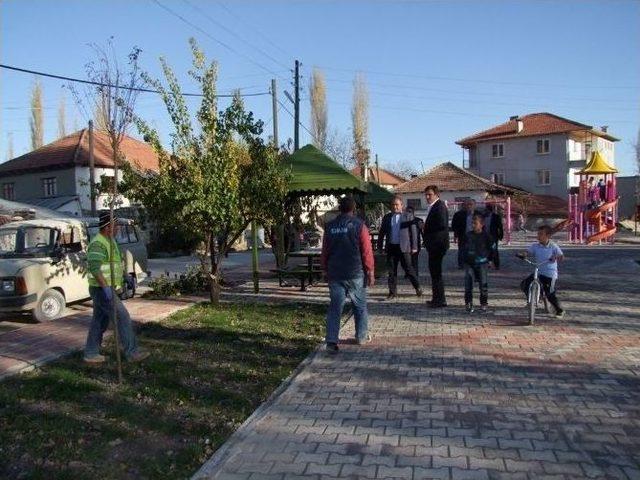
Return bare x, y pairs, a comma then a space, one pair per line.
519, 122
604, 128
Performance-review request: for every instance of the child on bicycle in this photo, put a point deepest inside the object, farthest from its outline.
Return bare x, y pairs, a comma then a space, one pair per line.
477, 255
548, 254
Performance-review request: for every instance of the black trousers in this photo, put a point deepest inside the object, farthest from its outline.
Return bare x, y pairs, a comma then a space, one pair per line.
435, 270
395, 256
548, 285
479, 273
414, 263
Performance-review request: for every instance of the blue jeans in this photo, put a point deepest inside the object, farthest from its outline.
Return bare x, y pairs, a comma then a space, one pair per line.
338, 292
100, 322
479, 273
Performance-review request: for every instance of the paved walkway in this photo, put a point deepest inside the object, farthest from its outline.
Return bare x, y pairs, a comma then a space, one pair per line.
444, 394
33, 345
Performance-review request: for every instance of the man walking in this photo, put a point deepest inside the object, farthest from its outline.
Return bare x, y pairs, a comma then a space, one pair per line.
347, 261
461, 224
419, 227
436, 241
399, 244
104, 295
493, 226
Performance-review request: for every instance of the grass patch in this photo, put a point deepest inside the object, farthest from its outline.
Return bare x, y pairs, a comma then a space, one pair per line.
210, 368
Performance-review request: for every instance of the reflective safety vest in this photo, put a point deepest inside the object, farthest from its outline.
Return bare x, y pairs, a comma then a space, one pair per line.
99, 251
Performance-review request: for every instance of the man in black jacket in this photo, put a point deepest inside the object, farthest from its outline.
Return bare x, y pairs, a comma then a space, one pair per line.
461, 224
399, 235
436, 241
420, 227
493, 226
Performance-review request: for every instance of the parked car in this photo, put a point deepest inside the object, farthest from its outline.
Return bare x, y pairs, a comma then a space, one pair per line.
43, 264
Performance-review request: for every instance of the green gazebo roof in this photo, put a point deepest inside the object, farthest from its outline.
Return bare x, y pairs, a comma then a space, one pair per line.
377, 194
314, 172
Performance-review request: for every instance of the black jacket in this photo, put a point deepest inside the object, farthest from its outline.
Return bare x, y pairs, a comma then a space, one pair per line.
409, 235
495, 228
478, 248
436, 228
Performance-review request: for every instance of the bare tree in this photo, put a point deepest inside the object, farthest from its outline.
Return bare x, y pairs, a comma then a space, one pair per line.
338, 147
62, 117
403, 169
113, 96
318, 99
360, 121
36, 121
9, 145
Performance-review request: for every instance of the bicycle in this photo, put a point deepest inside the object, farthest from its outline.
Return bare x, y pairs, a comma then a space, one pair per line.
536, 292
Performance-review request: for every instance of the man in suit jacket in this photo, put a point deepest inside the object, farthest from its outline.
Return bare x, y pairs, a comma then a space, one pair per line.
493, 226
420, 227
436, 241
399, 234
461, 224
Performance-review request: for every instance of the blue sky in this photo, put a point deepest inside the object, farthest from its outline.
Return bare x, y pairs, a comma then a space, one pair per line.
437, 70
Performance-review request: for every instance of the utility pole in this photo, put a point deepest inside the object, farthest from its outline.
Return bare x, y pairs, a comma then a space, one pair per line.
92, 172
377, 170
274, 106
296, 105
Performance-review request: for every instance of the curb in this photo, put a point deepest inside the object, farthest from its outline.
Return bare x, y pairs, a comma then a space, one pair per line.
209, 469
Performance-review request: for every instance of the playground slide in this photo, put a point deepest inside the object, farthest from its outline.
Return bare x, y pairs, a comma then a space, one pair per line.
603, 235
564, 224
591, 214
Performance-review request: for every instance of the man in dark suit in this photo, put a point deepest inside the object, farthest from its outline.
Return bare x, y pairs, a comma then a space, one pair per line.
493, 226
420, 227
399, 235
461, 224
436, 241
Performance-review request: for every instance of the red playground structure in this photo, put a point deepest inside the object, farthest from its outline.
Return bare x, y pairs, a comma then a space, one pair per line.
593, 211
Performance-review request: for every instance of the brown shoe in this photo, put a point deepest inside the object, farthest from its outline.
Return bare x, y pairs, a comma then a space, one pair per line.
95, 359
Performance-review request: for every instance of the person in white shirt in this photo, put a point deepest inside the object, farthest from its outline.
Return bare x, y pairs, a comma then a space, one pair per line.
547, 253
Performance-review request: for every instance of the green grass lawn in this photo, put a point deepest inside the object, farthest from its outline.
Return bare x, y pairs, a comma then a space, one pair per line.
210, 368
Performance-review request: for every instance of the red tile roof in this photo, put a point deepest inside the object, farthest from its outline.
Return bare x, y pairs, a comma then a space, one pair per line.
533, 124
539, 205
386, 177
450, 177
73, 150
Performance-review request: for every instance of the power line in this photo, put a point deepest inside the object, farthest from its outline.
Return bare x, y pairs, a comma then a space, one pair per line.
100, 84
219, 42
226, 29
459, 92
255, 29
299, 123
475, 80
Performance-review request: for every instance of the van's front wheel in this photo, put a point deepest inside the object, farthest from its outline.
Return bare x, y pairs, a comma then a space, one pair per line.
50, 306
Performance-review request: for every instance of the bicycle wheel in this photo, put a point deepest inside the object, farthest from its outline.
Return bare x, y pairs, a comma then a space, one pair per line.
534, 294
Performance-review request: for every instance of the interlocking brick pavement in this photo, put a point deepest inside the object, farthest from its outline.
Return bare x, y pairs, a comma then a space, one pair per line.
445, 394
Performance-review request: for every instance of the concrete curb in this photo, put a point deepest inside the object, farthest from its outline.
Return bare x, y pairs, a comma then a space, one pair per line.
209, 469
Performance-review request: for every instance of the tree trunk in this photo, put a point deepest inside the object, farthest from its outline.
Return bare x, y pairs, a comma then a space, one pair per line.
214, 284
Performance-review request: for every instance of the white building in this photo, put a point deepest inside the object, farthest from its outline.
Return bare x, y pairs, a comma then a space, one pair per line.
539, 152
56, 176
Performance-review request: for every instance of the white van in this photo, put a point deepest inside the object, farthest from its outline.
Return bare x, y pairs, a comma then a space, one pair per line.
43, 264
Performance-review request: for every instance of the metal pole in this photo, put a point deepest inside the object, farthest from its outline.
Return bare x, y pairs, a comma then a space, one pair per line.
114, 146
92, 172
274, 107
254, 241
296, 104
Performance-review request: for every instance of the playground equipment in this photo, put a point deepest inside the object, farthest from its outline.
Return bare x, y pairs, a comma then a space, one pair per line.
593, 211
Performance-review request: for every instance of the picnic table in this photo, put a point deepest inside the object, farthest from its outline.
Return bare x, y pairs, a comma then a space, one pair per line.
305, 273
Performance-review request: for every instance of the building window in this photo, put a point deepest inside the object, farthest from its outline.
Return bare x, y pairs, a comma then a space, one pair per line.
543, 177
498, 178
414, 203
8, 191
497, 150
49, 187
587, 150
542, 146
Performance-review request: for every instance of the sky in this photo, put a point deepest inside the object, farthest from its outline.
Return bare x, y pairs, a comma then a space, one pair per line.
437, 71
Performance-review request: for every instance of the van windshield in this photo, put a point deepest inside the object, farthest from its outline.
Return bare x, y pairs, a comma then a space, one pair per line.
28, 241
